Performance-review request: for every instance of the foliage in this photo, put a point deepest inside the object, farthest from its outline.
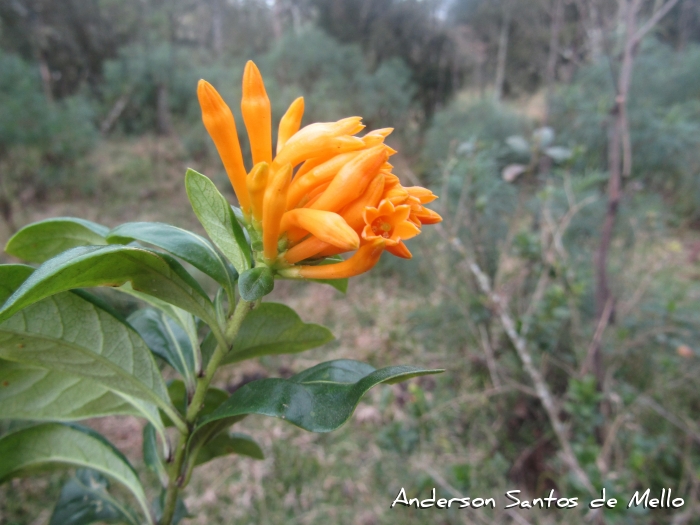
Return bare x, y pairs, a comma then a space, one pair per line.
663, 115
56, 134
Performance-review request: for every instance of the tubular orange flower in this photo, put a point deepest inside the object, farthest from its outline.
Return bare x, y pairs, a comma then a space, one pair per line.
256, 182
324, 225
343, 197
352, 179
389, 222
273, 209
290, 122
363, 260
257, 114
218, 120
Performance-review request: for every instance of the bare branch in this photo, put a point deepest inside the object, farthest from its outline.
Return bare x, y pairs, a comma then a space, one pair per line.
543, 393
655, 18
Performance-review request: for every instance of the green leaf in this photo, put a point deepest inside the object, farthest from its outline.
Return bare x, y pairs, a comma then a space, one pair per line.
184, 244
225, 444
42, 240
339, 284
256, 283
85, 500
11, 277
309, 400
185, 319
167, 340
33, 393
217, 217
150, 453
152, 273
49, 444
69, 333
272, 329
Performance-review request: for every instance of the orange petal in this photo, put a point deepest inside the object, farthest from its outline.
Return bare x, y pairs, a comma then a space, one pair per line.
325, 225
290, 122
273, 209
352, 180
255, 106
363, 260
256, 183
399, 250
218, 120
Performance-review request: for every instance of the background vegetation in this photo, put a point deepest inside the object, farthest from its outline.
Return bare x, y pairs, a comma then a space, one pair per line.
560, 293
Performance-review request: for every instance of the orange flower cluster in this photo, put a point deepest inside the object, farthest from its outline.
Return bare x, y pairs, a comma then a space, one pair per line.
324, 192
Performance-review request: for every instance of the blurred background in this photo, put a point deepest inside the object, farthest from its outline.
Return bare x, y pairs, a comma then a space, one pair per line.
563, 137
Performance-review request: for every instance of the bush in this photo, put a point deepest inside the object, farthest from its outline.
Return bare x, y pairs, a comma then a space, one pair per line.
49, 137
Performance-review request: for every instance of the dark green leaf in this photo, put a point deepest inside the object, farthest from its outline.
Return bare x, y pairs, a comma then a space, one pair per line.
317, 405
167, 340
42, 240
225, 444
155, 274
272, 329
256, 283
85, 500
189, 246
217, 217
50, 444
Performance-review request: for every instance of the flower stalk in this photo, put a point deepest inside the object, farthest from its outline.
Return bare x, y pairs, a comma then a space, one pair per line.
177, 478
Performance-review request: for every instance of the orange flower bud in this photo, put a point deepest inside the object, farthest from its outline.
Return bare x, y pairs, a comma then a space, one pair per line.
257, 114
324, 225
219, 122
321, 174
322, 139
352, 180
353, 213
306, 249
256, 182
424, 195
273, 209
290, 122
362, 260
426, 216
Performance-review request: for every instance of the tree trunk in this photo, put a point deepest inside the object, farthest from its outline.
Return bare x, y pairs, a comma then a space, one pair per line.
163, 111
217, 27
502, 55
550, 72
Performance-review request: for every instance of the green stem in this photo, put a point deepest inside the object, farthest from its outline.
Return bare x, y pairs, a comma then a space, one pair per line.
178, 479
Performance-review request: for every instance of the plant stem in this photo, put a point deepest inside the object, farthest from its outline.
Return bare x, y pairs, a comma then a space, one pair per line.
176, 479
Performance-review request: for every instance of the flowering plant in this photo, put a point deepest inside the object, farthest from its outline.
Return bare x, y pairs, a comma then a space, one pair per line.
66, 355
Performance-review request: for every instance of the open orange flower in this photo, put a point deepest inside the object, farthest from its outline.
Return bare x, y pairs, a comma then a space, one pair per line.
324, 192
